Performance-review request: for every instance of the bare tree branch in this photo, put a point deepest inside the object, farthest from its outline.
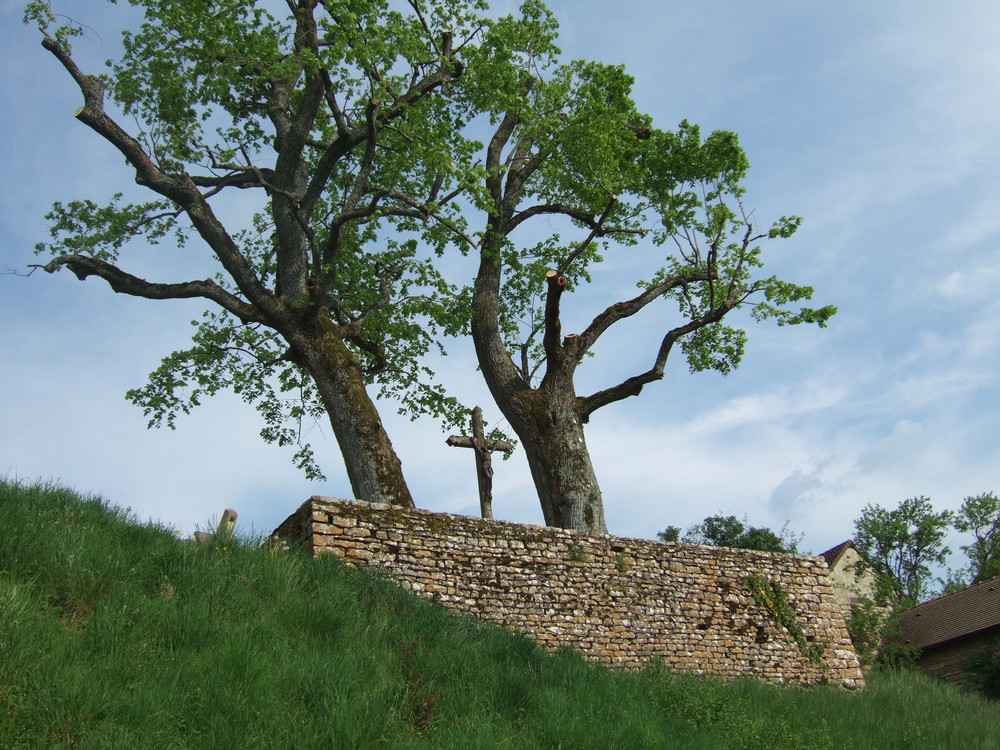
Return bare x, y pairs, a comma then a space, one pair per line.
353, 329
121, 282
290, 180
622, 310
585, 218
178, 188
242, 177
494, 173
527, 371
595, 231
331, 101
556, 283
633, 386
347, 140
423, 22
368, 160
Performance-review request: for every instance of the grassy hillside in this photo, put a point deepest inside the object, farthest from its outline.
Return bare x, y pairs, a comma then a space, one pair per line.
114, 634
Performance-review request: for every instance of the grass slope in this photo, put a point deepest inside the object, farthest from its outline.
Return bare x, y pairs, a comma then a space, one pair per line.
114, 634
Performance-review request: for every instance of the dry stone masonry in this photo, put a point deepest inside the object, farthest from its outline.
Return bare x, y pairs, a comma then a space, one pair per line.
620, 601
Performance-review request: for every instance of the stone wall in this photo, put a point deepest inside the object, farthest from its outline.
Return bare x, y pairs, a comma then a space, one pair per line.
620, 601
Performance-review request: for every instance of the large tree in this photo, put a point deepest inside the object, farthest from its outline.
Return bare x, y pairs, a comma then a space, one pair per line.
359, 127
568, 148
336, 116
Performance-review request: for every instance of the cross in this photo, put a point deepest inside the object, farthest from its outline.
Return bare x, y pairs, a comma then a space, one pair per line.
484, 461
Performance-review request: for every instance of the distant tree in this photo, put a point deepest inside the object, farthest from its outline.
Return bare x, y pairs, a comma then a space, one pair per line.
900, 546
670, 534
729, 531
952, 581
979, 515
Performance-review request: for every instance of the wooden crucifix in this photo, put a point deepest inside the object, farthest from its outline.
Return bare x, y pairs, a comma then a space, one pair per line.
484, 461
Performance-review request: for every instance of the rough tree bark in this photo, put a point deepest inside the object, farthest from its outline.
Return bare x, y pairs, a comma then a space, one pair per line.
373, 467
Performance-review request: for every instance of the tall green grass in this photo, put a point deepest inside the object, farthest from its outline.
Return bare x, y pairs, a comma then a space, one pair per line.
114, 634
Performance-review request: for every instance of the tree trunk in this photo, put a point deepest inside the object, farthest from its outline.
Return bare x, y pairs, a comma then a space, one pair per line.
374, 469
550, 429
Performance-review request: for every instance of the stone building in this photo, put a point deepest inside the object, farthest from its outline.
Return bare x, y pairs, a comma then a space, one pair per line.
850, 581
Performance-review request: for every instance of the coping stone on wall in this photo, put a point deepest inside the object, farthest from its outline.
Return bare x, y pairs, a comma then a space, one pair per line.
619, 601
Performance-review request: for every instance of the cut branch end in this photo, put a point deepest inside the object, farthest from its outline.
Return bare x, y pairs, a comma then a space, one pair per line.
556, 278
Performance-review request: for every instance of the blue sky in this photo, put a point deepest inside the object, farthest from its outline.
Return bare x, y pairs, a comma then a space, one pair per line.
877, 122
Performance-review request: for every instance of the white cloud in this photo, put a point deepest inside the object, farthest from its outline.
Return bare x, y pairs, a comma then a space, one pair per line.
792, 498
971, 286
775, 404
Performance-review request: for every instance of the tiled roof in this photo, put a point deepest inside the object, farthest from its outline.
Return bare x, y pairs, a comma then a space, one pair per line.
964, 612
833, 554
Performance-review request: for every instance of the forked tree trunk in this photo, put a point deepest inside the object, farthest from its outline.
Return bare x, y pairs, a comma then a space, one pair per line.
546, 419
374, 469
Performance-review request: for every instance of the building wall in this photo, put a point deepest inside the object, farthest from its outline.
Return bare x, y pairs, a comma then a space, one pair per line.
620, 601
848, 584
947, 660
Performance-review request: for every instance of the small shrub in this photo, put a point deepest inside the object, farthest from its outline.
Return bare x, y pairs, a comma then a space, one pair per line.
984, 672
865, 626
757, 731
894, 652
770, 595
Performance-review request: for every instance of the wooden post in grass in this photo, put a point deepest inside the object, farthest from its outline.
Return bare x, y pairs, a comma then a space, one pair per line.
484, 461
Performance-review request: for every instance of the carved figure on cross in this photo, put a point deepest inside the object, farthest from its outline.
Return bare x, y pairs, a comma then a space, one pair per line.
483, 447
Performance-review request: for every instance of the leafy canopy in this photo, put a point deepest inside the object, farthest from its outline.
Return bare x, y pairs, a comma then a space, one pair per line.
352, 130
333, 122
979, 515
572, 149
729, 531
901, 546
